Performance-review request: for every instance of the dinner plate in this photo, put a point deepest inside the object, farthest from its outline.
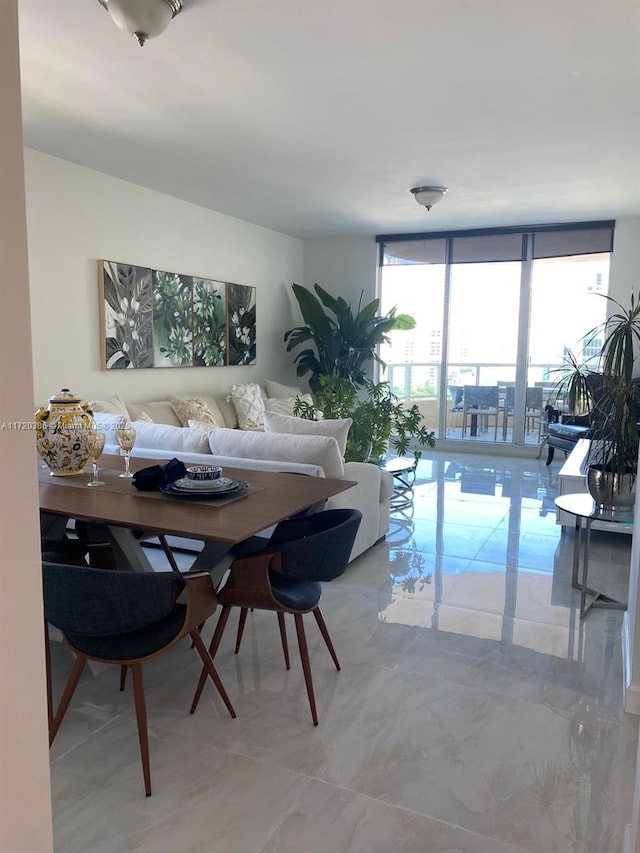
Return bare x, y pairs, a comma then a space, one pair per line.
238, 486
187, 485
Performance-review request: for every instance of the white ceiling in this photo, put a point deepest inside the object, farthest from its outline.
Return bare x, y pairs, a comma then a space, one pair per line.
315, 118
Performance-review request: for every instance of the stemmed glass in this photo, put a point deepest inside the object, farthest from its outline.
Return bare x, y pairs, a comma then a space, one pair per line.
126, 439
94, 441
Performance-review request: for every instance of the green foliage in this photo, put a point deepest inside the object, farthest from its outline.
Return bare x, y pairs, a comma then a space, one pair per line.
343, 343
611, 393
379, 419
172, 298
209, 323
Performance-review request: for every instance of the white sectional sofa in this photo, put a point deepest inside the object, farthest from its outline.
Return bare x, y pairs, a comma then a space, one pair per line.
160, 435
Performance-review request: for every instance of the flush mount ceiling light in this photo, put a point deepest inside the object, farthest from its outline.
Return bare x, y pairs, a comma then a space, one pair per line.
143, 19
428, 196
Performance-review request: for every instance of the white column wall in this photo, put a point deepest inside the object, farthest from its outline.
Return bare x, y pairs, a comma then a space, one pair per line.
76, 216
25, 811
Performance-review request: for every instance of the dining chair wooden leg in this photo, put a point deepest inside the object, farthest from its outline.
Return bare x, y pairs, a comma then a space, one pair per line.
325, 633
141, 717
168, 552
47, 662
67, 695
306, 665
241, 623
213, 648
123, 677
212, 671
283, 637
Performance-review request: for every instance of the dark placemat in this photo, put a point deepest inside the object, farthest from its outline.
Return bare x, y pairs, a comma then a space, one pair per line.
123, 486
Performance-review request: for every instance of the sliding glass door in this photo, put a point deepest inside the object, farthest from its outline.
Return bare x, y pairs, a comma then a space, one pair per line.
494, 310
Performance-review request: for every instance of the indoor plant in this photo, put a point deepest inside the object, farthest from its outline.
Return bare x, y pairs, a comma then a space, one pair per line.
612, 394
343, 342
379, 418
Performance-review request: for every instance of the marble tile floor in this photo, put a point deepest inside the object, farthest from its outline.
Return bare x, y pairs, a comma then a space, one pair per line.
474, 713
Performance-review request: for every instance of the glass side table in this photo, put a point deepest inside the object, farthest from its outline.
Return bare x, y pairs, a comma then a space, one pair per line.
584, 508
403, 471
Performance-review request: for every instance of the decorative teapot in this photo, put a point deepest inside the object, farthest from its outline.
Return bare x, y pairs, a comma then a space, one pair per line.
60, 433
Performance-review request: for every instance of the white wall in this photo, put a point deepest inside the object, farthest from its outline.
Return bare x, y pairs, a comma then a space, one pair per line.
25, 813
76, 216
344, 266
624, 274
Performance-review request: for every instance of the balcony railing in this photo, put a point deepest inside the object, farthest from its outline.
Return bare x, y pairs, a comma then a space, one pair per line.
419, 383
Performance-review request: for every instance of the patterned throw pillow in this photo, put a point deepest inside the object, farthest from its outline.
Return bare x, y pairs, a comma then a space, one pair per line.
249, 405
193, 409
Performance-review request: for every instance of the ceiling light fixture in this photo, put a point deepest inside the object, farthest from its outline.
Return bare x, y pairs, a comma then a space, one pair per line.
142, 19
428, 196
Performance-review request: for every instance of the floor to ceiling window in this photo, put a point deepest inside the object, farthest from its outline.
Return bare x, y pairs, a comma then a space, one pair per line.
496, 312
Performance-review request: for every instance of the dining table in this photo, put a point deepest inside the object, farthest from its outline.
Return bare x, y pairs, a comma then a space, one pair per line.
220, 522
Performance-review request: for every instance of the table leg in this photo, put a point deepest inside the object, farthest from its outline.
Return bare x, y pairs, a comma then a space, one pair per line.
583, 536
576, 553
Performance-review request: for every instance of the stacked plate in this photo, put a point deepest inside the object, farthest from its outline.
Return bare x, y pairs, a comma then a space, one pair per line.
187, 488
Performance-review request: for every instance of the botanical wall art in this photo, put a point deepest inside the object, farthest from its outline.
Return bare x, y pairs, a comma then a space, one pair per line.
241, 302
154, 318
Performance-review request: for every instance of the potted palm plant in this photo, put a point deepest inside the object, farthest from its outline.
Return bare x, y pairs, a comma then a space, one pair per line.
612, 394
341, 343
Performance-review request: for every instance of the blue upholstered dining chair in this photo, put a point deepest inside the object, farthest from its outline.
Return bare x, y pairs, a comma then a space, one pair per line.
125, 618
284, 576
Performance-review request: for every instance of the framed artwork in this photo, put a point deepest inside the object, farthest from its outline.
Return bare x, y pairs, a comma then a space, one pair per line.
209, 323
172, 319
126, 315
155, 318
241, 312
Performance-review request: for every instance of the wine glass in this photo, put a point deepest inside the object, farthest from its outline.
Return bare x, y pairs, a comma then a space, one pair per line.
95, 445
126, 439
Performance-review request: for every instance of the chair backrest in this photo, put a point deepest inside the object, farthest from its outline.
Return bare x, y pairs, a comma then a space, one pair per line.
481, 395
455, 392
534, 398
99, 602
316, 547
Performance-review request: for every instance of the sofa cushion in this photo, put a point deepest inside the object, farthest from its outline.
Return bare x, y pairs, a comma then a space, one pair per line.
170, 438
193, 409
279, 391
108, 423
114, 406
336, 427
313, 449
249, 405
160, 412
285, 405
213, 404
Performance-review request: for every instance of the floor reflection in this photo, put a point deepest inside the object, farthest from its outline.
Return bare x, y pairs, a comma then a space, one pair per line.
479, 553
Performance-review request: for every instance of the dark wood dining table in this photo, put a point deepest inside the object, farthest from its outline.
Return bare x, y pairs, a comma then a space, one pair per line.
269, 498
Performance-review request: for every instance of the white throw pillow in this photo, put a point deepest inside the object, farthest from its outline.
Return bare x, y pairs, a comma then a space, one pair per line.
319, 450
285, 405
249, 405
113, 406
338, 428
193, 409
279, 391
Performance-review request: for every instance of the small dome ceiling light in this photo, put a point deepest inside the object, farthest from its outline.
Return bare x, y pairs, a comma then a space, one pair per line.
428, 196
142, 19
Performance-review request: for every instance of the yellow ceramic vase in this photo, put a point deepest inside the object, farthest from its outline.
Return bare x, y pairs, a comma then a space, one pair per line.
60, 433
